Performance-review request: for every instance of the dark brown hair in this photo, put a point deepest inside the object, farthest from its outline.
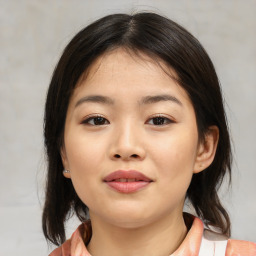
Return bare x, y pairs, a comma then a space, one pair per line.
162, 39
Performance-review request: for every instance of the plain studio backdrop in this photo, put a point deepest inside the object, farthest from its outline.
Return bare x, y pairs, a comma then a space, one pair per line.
32, 37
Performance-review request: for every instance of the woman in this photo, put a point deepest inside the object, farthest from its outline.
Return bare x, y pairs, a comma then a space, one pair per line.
134, 125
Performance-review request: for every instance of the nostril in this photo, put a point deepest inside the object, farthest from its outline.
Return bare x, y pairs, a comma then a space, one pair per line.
133, 156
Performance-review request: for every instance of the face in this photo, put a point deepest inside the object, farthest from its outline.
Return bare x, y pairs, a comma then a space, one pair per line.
128, 114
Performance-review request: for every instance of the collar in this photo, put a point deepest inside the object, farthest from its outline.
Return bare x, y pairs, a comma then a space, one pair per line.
76, 245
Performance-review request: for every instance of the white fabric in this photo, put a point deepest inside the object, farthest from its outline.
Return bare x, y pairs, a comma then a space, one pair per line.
220, 247
212, 247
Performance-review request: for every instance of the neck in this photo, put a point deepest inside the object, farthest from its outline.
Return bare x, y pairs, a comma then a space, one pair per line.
160, 238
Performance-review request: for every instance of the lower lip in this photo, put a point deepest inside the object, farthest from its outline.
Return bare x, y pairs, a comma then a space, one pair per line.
128, 187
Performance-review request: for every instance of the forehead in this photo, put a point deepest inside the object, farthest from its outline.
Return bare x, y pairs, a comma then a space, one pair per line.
123, 71
124, 60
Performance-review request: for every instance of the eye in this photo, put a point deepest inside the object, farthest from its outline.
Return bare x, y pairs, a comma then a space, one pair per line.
160, 120
96, 120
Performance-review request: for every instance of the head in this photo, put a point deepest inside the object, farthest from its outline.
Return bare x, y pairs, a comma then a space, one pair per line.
158, 45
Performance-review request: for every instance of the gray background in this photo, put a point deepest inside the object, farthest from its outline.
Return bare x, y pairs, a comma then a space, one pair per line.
33, 35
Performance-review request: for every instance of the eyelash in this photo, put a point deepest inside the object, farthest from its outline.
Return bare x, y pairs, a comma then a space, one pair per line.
166, 120
86, 121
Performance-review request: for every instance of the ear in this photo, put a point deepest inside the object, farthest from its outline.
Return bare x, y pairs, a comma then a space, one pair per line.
207, 149
65, 162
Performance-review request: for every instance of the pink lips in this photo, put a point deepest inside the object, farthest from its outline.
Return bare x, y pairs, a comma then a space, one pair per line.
127, 181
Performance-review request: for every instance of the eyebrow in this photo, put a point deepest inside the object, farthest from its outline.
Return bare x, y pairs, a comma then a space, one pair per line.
95, 99
144, 101
158, 98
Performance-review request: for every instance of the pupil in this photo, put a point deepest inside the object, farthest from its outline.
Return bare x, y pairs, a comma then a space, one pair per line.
99, 120
158, 121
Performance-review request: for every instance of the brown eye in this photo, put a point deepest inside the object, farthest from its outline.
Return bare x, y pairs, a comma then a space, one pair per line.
160, 120
96, 120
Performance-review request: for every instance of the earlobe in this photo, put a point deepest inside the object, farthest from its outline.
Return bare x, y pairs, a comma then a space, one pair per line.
66, 172
207, 149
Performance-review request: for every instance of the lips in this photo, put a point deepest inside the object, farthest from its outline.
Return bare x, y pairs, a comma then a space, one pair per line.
127, 181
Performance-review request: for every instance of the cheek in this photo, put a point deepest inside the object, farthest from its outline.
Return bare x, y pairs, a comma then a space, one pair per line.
84, 157
174, 159
176, 153
83, 153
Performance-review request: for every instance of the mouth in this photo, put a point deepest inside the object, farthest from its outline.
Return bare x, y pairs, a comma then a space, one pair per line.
127, 181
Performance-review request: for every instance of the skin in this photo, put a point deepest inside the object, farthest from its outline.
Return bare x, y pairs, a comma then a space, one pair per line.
128, 138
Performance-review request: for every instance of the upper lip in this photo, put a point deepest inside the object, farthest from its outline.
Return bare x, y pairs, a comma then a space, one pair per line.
126, 174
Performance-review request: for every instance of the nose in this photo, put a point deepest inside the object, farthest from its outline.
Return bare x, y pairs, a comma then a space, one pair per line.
127, 144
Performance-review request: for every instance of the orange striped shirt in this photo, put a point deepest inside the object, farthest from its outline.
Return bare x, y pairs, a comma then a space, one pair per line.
198, 242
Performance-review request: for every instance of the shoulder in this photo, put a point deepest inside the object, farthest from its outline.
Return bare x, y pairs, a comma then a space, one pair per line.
63, 250
220, 245
241, 248
78, 240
